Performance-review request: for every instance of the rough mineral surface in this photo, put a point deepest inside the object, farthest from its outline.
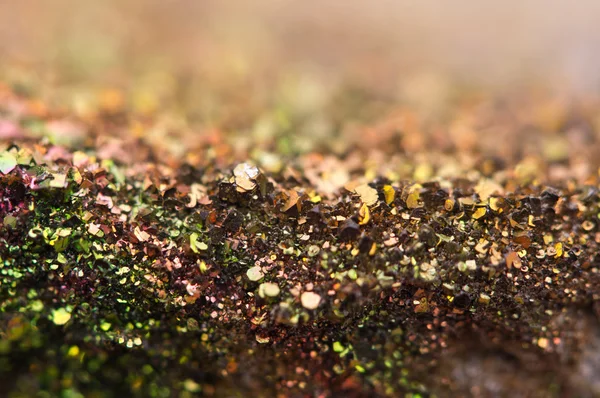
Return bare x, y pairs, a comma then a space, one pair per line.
405, 262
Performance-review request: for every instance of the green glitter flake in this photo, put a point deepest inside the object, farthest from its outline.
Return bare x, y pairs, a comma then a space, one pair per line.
7, 162
37, 305
338, 347
61, 316
105, 326
195, 245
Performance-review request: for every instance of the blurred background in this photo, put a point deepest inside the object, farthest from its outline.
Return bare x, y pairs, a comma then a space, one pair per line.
383, 44
299, 76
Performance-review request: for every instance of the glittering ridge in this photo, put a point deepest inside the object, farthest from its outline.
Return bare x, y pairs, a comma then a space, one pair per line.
127, 270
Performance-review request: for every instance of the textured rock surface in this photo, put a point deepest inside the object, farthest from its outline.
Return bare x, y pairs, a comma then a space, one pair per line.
466, 266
